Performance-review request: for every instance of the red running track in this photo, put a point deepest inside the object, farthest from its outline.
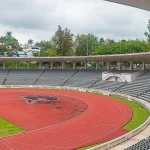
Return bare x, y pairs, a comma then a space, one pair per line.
102, 121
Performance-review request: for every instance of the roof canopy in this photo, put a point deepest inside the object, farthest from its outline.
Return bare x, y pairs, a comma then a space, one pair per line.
143, 4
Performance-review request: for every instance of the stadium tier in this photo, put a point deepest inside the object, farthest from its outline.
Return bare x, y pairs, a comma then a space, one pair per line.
22, 77
55, 77
138, 87
142, 145
75, 78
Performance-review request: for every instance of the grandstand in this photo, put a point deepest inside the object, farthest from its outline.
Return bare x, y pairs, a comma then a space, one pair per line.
75, 78
55, 77
142, 145
21, 77
137, 87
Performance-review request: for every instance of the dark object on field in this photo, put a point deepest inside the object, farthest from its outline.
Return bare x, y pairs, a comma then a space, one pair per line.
32, 99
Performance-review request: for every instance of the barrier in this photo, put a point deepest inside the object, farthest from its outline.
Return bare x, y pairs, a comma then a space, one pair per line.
111, 143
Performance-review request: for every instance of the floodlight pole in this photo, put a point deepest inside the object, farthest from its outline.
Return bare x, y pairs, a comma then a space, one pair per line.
120, 47
87, 49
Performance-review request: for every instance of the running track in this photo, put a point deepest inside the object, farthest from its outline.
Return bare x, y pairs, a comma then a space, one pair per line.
102, 121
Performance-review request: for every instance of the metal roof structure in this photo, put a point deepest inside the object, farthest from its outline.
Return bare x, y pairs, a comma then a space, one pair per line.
133, 56
142, 4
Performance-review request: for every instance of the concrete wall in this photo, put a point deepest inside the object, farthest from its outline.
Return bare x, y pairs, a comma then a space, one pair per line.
121, 77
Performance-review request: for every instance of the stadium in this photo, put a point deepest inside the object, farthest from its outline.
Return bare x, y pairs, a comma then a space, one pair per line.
78, 108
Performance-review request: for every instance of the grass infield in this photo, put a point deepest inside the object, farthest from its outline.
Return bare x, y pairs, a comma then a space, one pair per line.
8, 129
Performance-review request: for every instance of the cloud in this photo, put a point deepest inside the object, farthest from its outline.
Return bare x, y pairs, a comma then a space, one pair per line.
39, 19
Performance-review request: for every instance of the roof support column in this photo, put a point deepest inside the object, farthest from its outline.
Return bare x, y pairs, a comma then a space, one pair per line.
74, 65
63, 65
131, 65
28, 65
51, 65
4, 65
136, 66
97, 65
148, 65
46, 66
85, 65
105, 65
120, 65
40, 65
16, 65
144, 65
108, 65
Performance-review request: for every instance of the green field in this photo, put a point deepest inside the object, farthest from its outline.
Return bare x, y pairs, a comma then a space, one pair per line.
140, 114
7, 128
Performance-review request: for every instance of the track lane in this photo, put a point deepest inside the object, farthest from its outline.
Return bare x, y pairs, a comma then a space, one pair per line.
104, 116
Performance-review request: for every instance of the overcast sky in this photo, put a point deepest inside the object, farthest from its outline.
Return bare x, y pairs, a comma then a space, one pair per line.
39, 19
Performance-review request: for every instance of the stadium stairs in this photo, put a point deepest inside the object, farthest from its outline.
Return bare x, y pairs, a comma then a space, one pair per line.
5, 79
39, 77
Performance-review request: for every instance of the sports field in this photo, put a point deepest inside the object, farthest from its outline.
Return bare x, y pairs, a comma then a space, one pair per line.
77, 120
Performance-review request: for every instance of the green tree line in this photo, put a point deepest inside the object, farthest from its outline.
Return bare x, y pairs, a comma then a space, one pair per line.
65, 43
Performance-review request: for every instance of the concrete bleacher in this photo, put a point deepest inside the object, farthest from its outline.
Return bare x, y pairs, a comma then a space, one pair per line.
3, 74
142, 145
145, 96
22, 76
56, 77
75, 78
84, 78
108, 85
137, 87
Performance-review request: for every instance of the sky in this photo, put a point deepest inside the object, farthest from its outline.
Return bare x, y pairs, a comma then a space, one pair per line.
39, 19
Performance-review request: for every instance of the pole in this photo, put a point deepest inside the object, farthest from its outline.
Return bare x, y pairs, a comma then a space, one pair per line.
87, 49
120, 47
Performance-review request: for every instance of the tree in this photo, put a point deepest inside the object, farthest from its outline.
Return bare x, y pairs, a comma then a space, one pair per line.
9, 40
122, 47
147, 34
101, 41
109, 41
85, 44
48, 53
3, 49
63, 41
8, 33
44, 45
30, 42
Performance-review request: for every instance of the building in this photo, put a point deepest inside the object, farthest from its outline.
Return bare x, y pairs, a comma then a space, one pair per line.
2, 43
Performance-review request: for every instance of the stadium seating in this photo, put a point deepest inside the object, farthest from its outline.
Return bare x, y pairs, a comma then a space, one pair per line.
145, 96
22, 77
142, 145
84, 78
137, 87
3, 75
108, 85
56, 77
